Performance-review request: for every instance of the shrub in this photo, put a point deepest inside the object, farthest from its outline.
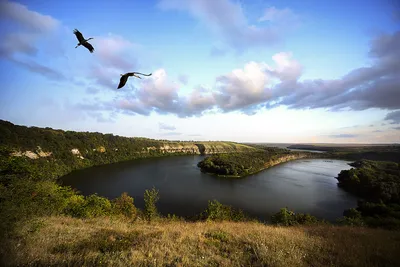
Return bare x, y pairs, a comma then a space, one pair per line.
76, 206
351, 217
219, 212
96, 206
286, 217
124, 205
150, 199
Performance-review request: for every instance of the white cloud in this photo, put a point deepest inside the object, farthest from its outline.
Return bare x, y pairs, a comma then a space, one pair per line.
30, 27
27, 19
226, 20
258, 85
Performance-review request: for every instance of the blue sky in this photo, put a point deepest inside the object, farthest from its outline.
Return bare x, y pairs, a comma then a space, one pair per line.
246, 71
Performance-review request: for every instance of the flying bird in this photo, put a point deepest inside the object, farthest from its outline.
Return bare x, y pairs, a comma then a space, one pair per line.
124, 78
83, 41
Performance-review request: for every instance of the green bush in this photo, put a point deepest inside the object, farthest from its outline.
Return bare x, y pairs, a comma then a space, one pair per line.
96, 206
124, 205
22, 199
76, 206
286, 217
219, 212
150, 199
87, 207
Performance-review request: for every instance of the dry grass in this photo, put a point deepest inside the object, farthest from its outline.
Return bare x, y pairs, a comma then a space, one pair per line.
64, 241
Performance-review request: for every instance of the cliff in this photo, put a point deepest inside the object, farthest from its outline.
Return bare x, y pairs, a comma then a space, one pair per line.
34, 143
284, 159
242, 164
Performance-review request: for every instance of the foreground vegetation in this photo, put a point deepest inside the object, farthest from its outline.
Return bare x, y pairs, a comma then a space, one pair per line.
65, 241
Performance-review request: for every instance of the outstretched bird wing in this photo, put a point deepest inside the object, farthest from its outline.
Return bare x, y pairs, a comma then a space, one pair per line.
88, 46
133, 73
79, 36
122, 81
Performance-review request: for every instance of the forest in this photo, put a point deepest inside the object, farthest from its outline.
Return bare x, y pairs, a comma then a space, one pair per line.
377, 184
242, 164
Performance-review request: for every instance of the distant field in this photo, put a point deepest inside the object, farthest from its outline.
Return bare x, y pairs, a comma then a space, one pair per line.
345, 145
283, 145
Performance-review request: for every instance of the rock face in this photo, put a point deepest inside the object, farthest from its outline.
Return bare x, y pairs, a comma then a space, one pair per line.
203, 148
42, 154
186, 148
283, 159
101, 149
77, 153
32, 155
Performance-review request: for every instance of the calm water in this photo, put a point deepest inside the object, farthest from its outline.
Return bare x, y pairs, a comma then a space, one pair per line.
302, 185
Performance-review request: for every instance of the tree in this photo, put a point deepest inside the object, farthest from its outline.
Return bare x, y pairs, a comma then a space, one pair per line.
150, 199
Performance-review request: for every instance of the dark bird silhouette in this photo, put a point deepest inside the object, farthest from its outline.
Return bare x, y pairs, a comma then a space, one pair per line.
124, 78
83, 41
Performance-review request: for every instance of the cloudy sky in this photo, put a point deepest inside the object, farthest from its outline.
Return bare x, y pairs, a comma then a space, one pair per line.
246, 71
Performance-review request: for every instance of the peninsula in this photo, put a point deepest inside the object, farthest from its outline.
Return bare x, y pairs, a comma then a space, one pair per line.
237, 165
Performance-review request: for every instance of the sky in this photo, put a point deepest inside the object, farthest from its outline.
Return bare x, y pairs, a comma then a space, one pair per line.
282, 71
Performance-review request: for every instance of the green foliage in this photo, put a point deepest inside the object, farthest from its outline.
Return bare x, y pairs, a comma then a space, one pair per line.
378, 186
351, 217
286, 217
150, 199
124, 205
24, 199
241, 164
76, 206
217, 235
374, 181
88, 207
219, 212
96, 206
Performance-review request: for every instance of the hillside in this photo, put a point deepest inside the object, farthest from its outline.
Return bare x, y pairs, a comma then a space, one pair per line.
65, 241
60, 143
68, 150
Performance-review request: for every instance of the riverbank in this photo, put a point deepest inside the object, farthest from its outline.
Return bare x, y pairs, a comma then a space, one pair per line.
65, 241
239, 166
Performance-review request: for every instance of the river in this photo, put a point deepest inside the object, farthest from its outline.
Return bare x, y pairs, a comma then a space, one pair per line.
302, 185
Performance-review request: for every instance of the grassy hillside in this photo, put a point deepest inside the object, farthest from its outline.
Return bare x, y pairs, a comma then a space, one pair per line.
59, 152
60, 143
64, 241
